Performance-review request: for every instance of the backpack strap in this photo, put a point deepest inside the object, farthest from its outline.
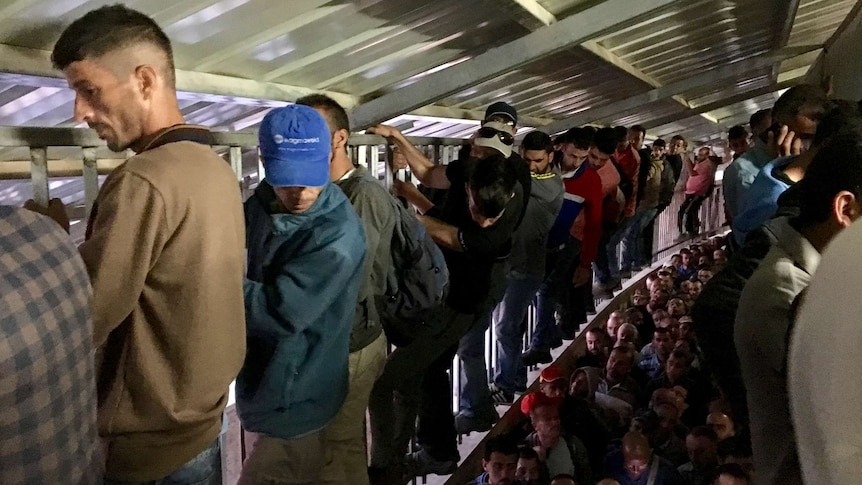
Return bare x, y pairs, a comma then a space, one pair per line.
193, 133
653, 470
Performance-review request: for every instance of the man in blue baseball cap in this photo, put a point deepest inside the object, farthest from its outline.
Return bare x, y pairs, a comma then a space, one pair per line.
306, 248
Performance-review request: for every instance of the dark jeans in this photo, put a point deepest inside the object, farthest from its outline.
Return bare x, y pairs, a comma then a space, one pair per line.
688, 219
411, 373
204, 469
556, 294
415, 378
600, 265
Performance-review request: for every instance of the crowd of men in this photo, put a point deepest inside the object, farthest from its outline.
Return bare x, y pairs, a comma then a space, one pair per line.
117, 356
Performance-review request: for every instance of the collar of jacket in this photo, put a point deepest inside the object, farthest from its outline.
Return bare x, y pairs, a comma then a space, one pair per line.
284, 223
176, 133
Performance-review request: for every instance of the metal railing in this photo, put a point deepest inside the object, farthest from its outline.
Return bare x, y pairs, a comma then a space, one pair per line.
72, 163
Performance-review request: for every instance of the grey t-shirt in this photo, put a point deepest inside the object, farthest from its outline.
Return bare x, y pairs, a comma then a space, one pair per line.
529, 241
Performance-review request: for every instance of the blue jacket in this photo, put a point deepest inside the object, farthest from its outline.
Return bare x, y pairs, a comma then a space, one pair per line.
304, 276
761, 201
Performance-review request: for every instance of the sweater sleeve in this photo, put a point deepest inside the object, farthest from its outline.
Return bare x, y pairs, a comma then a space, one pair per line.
129, 230
298, 296
592, 222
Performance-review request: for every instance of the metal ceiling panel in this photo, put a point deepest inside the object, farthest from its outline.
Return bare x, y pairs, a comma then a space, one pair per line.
817, 20
370, 47
697, 35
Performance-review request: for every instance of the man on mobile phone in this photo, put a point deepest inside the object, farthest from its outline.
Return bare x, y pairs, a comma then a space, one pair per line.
800, 110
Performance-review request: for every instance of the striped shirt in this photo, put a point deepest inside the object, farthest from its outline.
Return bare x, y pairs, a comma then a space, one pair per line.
48, 428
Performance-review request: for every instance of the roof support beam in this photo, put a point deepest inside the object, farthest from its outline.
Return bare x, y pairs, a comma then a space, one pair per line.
573, 30
540, 14
37, 62
33, 68
596, 49
738, 98
728, 72
783, 35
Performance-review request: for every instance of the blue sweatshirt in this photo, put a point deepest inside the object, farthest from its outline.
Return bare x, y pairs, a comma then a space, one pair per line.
305, 271
761, 199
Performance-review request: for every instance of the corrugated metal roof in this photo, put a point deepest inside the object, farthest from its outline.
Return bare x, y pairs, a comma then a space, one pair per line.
368, 47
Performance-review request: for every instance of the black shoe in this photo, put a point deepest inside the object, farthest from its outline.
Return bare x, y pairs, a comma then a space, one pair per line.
500, 397
468, 424
534, 357
421, 463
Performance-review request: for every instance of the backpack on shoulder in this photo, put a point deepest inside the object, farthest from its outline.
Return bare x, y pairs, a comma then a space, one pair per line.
417, 282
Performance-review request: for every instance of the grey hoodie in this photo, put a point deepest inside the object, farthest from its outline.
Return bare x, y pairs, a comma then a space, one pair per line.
530, 239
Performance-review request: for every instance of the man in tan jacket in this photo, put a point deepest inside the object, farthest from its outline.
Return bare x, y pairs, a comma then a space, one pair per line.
165, 255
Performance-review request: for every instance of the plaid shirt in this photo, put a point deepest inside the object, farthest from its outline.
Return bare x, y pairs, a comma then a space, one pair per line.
48, 428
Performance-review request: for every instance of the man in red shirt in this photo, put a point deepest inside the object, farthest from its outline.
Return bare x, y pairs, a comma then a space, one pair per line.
626, 163
572, 247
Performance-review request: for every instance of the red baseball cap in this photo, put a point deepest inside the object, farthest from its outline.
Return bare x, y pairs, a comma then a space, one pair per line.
535, 399
551, 373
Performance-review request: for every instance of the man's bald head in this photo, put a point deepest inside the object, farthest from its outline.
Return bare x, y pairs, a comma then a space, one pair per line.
636, 454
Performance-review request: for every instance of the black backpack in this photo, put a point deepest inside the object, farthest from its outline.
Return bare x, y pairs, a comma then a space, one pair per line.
417, 282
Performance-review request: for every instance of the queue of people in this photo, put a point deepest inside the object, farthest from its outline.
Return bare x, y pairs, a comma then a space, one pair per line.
118, 355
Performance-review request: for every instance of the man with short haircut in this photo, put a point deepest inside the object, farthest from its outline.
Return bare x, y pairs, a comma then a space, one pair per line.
571, 250
653, 363
831, 202
486, 202
306, 249
530, 469
164, 251
737, 141
800, 109
616, 377
636, 464
700, 181
47, 374
761, 201
526, 266
759, 122
346, 435
613, 202
676, 151
597, 349
657, 185
702, 447
500, 462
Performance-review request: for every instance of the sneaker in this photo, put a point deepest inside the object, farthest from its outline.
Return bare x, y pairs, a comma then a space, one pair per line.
500, 396
421, 463
626, 274
535, 357
467, 424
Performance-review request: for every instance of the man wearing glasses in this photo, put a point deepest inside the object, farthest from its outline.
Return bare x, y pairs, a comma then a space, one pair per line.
486, 202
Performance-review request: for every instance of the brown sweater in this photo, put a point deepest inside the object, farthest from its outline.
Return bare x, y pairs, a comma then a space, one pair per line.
165, 254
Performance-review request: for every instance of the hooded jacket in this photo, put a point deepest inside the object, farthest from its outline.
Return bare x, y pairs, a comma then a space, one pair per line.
304, 273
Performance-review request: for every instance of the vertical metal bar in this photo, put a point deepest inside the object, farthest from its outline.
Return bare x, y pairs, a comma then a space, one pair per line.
91, 179
39, 175
236, 161
375, 161
261, 171
388, 175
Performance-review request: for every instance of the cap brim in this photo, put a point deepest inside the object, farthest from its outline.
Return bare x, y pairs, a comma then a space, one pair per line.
296, 173
502, 113
494, 143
